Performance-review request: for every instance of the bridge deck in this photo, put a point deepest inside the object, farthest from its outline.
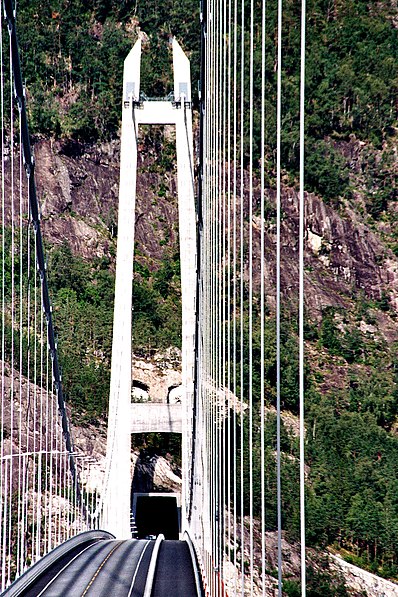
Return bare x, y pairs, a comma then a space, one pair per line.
102, 569
174, 573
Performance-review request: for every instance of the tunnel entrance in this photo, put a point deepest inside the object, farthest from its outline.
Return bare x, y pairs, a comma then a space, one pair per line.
155, 514
139, 391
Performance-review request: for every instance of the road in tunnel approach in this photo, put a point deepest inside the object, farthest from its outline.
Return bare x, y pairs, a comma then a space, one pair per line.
174, 575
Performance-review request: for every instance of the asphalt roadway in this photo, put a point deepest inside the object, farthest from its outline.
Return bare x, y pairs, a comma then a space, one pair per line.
174, 575
112, 568
105, 569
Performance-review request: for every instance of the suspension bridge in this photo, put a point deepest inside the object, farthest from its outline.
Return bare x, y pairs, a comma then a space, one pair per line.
58, 536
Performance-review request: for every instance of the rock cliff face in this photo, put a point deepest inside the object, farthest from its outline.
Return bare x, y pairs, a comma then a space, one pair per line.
78, 188
154, 473
362, 582
159, 379
345, 254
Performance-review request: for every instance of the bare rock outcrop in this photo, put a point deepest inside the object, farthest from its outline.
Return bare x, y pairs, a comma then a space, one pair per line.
157, 379
78, 189
154, 473
362, 581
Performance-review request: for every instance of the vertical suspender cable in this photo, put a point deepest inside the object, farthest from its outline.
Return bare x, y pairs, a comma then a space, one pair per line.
21, 462
62, 494
205, 269
234, 309
11, 468
15, 68
66, 502
28, 385
57, 503
4, 552
31, 388
213, 370
56, 492
301, 300
199, 278
278, 295
213, 241
218, 312
227, 279
211, 279
225, 303
40, 369
251, 422
39, 464
214, 284
219, 227
219, 323
37, 338
198, 390
262, 299
230, 405
69, 501
242, 321
20, 498
47, 425
51, 524
204, 363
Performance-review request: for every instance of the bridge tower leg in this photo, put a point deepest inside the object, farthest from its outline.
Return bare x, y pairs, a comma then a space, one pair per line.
187, 233
116, 507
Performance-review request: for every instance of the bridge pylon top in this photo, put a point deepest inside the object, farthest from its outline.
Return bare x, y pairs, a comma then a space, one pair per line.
132, 74
156, 110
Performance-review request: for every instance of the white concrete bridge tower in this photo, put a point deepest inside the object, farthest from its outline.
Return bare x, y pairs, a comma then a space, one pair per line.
178, 112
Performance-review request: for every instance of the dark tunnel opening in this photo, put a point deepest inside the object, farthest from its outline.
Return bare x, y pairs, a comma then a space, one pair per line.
155, 515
